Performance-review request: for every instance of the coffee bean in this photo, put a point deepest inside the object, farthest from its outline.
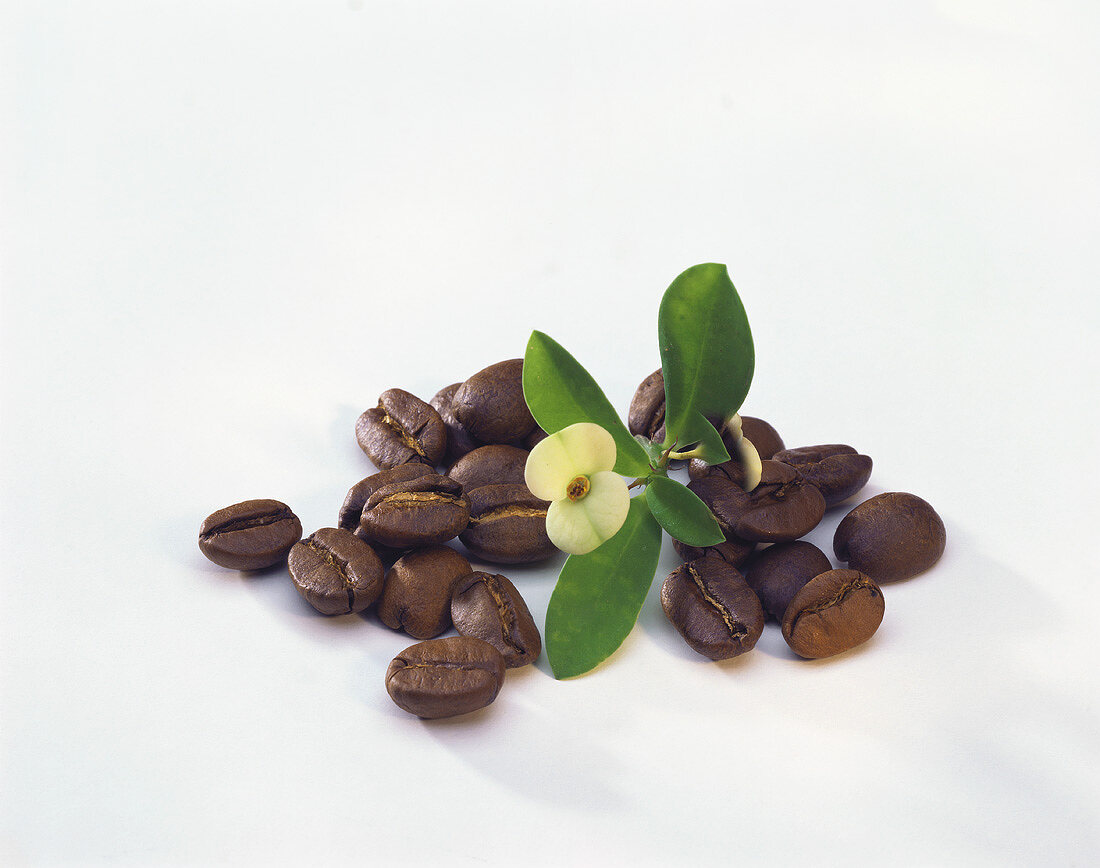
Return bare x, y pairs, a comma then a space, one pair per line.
490, 465
714, 609
490, 405
836, 470
335, 571
489, 607
534, 438
445, 677
402, 428
416, 594
733, 551
415, 512
782, 507
249, 535
646, 414
780, 571
352, 510
833, 612
507, 525
891, 537
459, 440
761, 435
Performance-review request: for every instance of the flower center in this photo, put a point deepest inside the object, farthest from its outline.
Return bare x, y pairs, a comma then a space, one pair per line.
578, 488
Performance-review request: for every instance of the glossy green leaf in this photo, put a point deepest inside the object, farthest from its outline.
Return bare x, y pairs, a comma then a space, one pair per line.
711, 449
707, 353
652, 450
682, 513
598, 595
559, 392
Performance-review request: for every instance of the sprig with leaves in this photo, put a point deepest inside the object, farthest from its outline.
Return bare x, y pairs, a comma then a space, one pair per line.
707, 358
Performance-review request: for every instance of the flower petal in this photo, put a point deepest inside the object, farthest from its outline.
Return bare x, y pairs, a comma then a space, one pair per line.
579, 450
577, 527
750, 460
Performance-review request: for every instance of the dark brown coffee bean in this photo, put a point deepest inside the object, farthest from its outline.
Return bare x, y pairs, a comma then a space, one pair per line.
507, 525
490, 404
891, 537
780, 571
782, 507
490, 465
249, 535
402, 428
415, 512
761, 435
646, 414
833, 612
715, 611
352, 510
489, 607
733, 551
534, 439
445, 677
416, 594
836, 470
336, 571
459, 440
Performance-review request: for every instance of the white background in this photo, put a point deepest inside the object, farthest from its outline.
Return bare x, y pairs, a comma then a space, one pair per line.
227, 227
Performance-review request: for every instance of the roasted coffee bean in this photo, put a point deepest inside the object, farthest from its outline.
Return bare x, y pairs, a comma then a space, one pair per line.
445, 677
490, 465
782, 507
336, 571
833, 612
402, 428
507, 525
416, 594
758, 432
891, 537
714, 609
837, 471
459, 440
415, 512
249, 535
534, 439
733, 551
646, 414
489, 607
780, 571
352, 510
490, 405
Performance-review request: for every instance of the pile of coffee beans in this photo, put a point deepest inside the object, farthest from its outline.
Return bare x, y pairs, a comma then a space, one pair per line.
453, 468
719, 599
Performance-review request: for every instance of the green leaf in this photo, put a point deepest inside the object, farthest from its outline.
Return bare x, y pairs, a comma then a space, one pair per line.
682, 513
652, 450
598, 595
559, 392
711, 448
706, 351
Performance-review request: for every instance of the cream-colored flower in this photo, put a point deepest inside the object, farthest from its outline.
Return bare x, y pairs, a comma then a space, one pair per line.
746, 453
589, 502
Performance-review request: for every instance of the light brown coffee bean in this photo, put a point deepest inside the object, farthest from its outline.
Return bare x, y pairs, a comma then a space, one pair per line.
834, 612
416, 594
489, 607
335, 571
445, 677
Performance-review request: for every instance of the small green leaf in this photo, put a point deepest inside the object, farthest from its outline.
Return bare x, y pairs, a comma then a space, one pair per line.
707, 353
653, 450
598, 595
682, 513
711, 448
560, 392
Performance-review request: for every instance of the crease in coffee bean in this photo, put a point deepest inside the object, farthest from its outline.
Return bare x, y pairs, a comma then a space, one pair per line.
402, 432
656, 423
339, 564
238, 524
736, 629
511, 511
840, 596
507, 616
441, 664
413, 498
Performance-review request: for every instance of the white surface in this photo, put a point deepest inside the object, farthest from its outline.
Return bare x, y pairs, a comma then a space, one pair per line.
226, 228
